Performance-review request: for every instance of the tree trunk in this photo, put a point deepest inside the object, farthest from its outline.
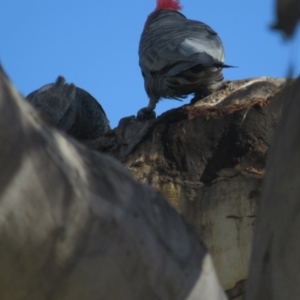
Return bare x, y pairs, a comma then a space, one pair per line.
208, 159
275, 262
74, 224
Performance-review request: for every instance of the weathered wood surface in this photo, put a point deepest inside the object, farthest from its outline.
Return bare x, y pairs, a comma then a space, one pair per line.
275, 262
208, 159
65, 236
74, 224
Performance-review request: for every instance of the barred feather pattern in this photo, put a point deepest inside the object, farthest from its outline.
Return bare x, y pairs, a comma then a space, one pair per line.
179, 56
70, 108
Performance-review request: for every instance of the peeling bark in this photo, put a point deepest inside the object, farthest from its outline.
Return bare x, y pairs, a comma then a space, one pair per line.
74, 224
275, 260
81, 212
208, 159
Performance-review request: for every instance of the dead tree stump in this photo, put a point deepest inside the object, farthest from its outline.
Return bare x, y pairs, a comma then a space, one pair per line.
208, 159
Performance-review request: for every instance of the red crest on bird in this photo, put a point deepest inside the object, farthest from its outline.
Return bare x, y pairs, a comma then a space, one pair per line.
178, 57
168, 4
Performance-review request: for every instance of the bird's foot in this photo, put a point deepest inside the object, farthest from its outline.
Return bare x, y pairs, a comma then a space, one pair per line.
145, 114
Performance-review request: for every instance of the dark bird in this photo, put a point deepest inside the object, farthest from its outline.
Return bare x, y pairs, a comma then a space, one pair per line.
70, 109
178, 57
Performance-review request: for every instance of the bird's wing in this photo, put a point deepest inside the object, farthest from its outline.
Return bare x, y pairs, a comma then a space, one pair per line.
183, 41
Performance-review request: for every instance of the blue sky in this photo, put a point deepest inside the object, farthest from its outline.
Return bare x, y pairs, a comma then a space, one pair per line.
94, 44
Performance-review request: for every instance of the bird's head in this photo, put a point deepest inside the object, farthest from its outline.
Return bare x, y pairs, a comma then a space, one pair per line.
164, 4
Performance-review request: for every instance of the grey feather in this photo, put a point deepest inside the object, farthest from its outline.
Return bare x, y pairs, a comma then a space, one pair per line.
179, 57
71, 109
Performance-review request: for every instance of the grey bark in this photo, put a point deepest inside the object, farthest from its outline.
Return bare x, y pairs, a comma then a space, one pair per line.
208, 159
74, 224
275, 261
79, 211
